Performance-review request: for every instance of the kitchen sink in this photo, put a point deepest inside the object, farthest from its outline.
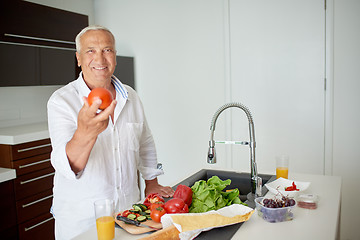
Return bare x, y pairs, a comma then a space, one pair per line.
239, 180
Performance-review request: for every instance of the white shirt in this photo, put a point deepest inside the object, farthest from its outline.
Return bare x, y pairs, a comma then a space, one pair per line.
111, 171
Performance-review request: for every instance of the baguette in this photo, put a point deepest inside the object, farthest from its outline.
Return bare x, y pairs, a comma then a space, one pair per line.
169, 233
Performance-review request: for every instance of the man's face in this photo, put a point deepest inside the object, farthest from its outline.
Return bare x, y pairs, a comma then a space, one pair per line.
97, 57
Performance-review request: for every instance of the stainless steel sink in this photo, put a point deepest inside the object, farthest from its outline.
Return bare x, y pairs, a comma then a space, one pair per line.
241, 181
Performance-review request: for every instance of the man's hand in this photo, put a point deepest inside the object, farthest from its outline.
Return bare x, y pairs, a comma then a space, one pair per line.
152, 186
90, 125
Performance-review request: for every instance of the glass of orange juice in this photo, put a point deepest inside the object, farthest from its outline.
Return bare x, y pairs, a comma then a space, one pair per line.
282, 166
105, 222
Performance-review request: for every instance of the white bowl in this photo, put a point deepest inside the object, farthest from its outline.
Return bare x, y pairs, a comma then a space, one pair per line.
280, 184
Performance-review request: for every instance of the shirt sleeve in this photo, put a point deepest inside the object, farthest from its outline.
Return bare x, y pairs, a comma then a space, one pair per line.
148, 156
62, 126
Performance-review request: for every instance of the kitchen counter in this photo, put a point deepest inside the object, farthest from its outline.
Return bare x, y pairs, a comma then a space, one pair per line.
321, 223
24, 133
7, 174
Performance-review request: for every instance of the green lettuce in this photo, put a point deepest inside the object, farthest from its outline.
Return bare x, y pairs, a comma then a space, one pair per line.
209, 195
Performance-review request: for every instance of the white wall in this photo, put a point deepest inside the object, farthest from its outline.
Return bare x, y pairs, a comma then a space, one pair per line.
346, 151
179, 68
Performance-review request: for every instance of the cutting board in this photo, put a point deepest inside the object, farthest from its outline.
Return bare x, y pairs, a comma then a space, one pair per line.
135, 229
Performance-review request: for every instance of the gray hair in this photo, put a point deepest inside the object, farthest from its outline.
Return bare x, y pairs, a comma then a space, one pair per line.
89, 28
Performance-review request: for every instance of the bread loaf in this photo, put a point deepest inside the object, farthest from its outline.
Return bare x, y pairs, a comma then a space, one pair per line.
169, 233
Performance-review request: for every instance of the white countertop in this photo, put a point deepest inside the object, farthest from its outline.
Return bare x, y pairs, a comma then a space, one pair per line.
321, 223
7, 174
24, 133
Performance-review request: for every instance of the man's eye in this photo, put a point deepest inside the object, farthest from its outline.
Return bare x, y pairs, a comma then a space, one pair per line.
108, 50
90, 51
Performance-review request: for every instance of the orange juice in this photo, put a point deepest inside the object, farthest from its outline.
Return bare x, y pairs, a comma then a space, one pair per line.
105, 228
282, 172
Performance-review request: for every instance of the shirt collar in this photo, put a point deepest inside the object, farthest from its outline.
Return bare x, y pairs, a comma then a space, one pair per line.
119, 87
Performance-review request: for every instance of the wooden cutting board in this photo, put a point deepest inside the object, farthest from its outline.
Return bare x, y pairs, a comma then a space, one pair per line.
135, 229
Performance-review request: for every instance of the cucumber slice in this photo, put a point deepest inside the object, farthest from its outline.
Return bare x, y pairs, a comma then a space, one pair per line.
137, 207
148, 211
134, 210
141, 218
143, 207
131, 216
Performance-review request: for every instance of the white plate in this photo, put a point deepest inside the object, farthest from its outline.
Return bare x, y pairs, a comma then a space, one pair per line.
280, 184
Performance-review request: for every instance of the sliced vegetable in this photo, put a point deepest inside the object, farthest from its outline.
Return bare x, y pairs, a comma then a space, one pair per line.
184, 192
292, 187
153, 198
132, 216
141, 219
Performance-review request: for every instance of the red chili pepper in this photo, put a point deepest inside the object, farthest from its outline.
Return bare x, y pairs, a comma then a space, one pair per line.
153, 198
292, 188
185, 193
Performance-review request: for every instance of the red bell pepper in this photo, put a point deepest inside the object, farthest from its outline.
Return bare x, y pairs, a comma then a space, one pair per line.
185, 193
153, 198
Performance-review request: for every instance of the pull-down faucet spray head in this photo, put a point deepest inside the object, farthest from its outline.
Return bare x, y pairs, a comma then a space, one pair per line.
211, 153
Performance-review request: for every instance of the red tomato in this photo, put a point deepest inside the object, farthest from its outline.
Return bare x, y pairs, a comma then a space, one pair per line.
156, 205
153, 198
176, 205
102, 93
157, 213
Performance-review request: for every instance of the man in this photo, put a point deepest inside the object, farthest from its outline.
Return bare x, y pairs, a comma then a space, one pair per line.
97, 154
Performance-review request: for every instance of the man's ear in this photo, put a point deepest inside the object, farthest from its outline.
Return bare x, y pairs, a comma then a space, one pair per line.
78, 59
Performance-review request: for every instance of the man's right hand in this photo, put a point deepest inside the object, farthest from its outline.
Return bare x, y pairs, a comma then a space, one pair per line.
90, 124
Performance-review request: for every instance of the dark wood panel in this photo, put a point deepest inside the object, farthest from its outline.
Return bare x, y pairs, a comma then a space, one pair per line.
34, 206
33, 183
31, 164
39, 228
57, 66
124, 70
30, 149
12, 59
35, 20
7, 205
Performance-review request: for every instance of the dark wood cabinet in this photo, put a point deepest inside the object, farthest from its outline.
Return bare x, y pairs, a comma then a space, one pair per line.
8, 221
37, 44
32, 188
57, 66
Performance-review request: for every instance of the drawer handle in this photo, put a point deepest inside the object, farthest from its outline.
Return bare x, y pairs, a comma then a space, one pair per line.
34, 163
32, 148
37, 38
39, 200
38, 224
37, 178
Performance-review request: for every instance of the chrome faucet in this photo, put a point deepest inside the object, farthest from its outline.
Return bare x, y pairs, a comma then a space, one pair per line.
256, 182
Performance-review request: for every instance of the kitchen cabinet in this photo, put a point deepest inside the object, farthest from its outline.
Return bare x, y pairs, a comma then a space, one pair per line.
34, 65
32, 188
37, 44
8, 228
